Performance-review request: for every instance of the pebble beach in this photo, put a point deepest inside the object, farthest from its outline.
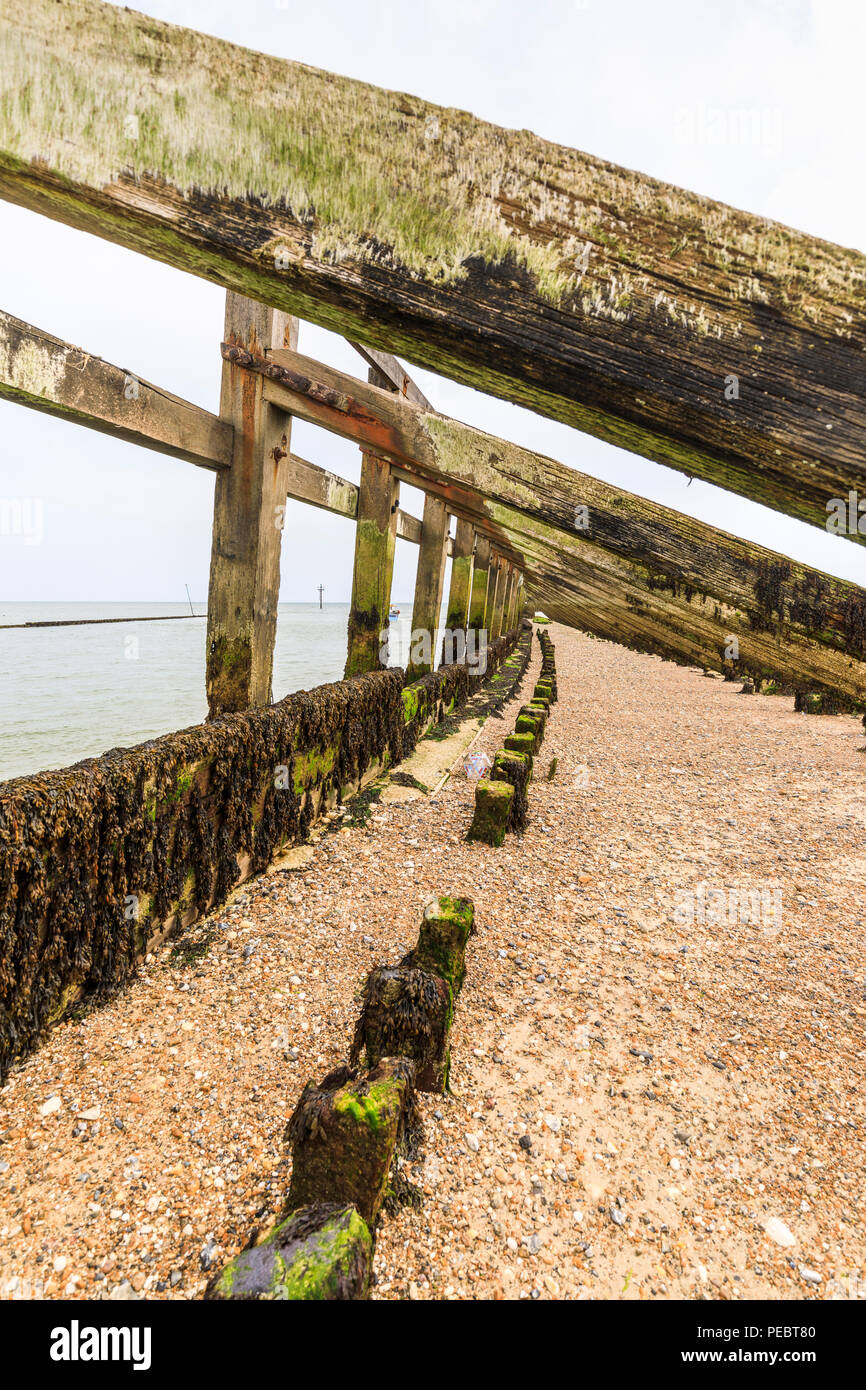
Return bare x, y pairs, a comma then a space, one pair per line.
657, 1058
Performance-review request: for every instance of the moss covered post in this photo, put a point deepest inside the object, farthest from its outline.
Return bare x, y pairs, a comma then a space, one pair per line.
428, 587
375, 537
249, 506
461, 577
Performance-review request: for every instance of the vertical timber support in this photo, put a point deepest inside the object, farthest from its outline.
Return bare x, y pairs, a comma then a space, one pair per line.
496, 596
249, 507
375, 538
461, 577
428, 587
480, 580
510, 590
518, 600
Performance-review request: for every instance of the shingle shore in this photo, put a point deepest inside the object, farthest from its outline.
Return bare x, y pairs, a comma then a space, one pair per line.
634, 1096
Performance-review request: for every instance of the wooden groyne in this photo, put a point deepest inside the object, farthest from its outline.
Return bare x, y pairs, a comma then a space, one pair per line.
101, 860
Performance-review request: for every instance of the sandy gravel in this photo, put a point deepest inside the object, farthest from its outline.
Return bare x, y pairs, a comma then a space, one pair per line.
635, 1096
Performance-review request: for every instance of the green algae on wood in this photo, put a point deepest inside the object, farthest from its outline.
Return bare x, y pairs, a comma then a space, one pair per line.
446, 927
343, 1133
521, 743
493, 800
534, 727
318, 1253
515, 767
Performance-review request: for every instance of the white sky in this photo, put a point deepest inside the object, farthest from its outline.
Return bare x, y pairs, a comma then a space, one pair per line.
634, 82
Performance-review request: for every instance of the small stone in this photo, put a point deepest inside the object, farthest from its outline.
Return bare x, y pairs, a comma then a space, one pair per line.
472, 1143
92, 1113
810, 1276
525, 1143
51, 1106
207, 1253
779, 1232
617, 1216
60, 1263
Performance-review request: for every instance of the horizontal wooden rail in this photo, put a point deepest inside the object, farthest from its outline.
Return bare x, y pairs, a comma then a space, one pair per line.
41, 371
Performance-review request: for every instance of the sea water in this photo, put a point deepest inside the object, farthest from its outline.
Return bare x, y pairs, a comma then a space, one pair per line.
68, 693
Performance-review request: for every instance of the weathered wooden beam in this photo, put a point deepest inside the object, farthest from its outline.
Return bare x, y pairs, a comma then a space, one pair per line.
516, 491
249, 507
519, 601
480, 583
717, 342
461, 577
318, 487
43, 372
393, 373
375, 535
429, 580
548, 514
578, 583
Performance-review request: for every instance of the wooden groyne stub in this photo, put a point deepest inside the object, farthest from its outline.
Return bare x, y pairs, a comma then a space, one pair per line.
494, 799
406, 1012
446, 927
343, 1134
321, 1253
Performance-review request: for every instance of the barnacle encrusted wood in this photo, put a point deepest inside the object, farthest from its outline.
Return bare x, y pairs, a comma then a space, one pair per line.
406, 1012
620, 304
343, 1134
319, 1253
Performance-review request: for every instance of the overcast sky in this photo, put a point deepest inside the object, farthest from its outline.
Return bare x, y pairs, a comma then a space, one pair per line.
634, 82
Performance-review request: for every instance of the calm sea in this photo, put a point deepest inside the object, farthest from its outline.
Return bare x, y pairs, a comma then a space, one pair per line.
71, 693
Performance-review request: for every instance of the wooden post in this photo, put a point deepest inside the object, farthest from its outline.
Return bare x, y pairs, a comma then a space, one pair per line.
518, 600
510, 589
375, 538
428, 587
249, 507
480, 580
496, 596
461, 577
